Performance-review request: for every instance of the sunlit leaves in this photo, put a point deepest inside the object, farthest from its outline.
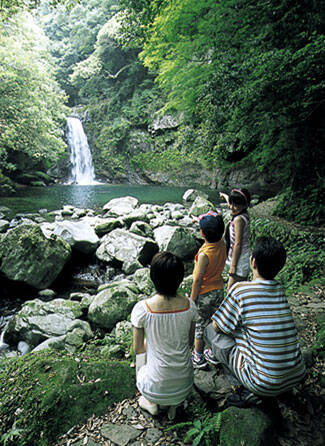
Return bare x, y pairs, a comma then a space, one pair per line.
32, 106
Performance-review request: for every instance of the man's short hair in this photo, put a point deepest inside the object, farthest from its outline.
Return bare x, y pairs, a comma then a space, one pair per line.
212, 227
270, 256
167, 273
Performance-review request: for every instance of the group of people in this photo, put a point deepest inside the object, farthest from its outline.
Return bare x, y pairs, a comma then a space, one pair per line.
250, 332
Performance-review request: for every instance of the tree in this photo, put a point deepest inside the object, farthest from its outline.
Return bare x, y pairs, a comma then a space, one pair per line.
32, 105
10, 7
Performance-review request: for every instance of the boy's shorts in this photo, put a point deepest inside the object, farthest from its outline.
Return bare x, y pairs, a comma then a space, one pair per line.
206, 304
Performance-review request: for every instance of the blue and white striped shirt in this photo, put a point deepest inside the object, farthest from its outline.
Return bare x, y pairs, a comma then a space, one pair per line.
267, 357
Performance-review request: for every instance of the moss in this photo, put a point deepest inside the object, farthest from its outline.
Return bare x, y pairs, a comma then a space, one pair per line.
243, 427
47, 393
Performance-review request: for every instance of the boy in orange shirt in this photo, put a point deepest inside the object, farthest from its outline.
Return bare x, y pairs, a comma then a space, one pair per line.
207, 288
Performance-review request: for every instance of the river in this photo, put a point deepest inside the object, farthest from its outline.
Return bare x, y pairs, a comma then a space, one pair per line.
32, 199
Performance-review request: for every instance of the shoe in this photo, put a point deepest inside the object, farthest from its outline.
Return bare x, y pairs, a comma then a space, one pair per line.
209, 356
198, 361
152, 408
243, 398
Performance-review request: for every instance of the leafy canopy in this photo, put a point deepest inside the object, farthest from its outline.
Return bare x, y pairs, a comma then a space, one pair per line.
32, 106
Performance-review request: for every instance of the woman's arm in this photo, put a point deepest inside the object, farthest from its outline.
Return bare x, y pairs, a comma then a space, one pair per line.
239, 226
201, 266
139, 343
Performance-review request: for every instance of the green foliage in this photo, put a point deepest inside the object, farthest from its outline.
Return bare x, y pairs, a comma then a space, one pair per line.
203, 429
9, 436
249, 75
62, 389
304, 205
305, 251
10, 7
32, 106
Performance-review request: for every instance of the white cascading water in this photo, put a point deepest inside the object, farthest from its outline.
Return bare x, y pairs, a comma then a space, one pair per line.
82, 169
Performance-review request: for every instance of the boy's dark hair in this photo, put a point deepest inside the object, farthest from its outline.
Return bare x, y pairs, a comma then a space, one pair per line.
212, 227
240, 197
167, 273
270, 256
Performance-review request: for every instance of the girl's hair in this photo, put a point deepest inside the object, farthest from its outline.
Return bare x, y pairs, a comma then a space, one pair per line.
240, 197
167, 273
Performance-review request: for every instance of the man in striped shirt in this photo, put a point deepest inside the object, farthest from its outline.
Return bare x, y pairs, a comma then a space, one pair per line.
253, 333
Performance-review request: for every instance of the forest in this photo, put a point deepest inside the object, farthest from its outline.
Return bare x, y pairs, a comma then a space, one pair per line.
203, 94
241, 84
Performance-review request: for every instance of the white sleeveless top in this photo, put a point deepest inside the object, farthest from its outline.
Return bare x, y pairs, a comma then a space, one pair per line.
245, 237
167, 378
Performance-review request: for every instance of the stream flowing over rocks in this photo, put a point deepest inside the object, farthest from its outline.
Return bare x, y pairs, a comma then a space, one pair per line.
89, 269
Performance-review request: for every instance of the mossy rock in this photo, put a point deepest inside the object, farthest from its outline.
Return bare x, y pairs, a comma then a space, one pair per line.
47, 393
244, 427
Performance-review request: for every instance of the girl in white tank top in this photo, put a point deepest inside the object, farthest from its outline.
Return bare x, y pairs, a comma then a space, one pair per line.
238, 236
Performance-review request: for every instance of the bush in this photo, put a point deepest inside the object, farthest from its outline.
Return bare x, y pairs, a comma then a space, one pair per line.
305, 251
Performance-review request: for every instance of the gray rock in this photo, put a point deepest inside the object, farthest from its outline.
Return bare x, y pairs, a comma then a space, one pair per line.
142, 228
28, 256
201, 206
191, 194
120, 434
38, 321
4, 225
153, 434
121, 246
178, 240
107, 225
80, 235
214, 384
47, 294
142, 280
121, 206
77, 333
113, 304
23, 348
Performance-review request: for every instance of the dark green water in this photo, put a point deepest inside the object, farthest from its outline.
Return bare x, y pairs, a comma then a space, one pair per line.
32, 199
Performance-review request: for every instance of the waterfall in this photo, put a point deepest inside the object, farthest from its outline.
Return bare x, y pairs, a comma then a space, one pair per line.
3, 345
82, 169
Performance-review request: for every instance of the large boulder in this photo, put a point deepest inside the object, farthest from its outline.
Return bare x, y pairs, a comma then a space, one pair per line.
178, 240
249, 426
191, 194
79, 234
122, 247
78, 333
28, 256
120, 206
113, 304
38, 321
143, 281
200, 206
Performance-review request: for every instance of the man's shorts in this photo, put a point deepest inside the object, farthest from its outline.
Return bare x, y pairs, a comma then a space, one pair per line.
206, 304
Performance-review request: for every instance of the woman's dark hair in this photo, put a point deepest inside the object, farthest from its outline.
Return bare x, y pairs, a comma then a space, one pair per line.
240, 197
270, 256
167, 273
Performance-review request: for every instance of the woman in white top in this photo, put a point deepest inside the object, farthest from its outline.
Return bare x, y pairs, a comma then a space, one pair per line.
163, 327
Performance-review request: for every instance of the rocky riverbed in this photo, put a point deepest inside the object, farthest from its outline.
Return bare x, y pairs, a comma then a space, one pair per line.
79, 273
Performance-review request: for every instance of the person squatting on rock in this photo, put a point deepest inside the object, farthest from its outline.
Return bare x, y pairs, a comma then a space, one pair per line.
237, 235
207, 288
253, 334
163, 328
